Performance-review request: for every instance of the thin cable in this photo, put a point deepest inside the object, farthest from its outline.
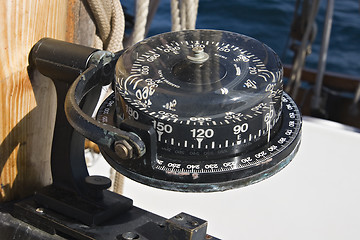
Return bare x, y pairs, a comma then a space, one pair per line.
300, 58
323, 54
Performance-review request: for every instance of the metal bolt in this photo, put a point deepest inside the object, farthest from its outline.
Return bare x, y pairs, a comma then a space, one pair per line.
128, 236
194, 223
179, 217
198, 55
123, 149
161, 225
39, 210
198, 50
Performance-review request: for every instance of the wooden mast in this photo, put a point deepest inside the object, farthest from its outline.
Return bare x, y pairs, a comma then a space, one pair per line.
27, 104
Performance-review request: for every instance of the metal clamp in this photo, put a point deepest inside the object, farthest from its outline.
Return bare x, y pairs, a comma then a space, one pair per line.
100, 71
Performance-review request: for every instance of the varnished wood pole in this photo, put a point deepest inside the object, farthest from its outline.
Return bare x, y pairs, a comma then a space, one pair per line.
27, 104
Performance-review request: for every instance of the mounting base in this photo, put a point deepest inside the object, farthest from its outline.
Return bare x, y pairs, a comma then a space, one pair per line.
87, 210
27, 219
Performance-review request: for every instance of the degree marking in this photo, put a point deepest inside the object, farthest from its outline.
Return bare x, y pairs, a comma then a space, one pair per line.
268, 130
134, 79
199, 141
128, 78
159, 135
238, 70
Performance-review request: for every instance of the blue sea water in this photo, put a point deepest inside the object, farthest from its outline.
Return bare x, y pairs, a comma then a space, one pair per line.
269, 21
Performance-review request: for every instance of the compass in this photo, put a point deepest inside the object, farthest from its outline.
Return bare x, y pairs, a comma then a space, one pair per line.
190, 111
210, 108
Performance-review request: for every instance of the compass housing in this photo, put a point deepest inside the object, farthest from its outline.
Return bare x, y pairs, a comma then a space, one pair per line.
215, 101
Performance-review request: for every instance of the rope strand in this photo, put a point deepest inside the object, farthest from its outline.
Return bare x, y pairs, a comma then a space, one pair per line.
142, 10
183, 14
175, 16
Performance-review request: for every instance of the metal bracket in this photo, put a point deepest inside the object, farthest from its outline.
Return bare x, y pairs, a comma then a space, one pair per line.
75, 198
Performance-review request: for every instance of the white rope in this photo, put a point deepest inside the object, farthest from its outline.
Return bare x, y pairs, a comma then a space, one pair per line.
142, 10
175, 16
115, 42
110, 24
191, 13
183, 14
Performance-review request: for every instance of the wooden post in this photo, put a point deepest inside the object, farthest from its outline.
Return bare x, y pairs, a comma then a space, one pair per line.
28, 105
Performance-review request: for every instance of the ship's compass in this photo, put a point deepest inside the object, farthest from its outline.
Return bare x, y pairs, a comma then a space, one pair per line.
198, 110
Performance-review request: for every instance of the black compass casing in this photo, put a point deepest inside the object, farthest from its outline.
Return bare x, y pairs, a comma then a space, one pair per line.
216, 103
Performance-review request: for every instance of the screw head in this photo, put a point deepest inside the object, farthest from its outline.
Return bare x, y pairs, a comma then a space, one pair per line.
128, 236
198, 55
195, 223
179, 217
123, 149
39, 210
198, 50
